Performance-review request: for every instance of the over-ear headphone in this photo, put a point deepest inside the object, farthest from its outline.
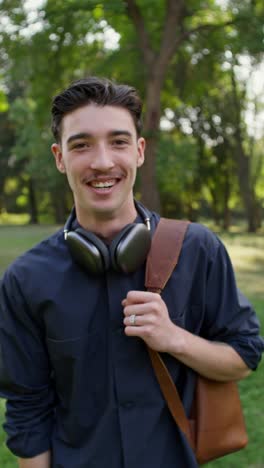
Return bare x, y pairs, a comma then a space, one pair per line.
127, 251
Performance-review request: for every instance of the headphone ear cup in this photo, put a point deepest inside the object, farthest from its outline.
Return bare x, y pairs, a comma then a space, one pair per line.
130, 247
113, 251
88, 250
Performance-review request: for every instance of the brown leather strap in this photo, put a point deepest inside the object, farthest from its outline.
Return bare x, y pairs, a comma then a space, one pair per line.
171, 395
164, 253
162, 259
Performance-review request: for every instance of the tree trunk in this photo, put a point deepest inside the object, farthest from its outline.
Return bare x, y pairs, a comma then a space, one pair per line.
1, 197
215, 207
156, 64
59, 206
148, 181
247, 192
33, 208
243, 166
226, 209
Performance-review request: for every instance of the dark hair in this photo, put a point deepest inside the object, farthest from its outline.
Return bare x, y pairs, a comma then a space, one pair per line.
100, 91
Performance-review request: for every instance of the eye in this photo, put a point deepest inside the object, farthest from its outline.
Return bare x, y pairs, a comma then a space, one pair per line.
120, 142
81, 145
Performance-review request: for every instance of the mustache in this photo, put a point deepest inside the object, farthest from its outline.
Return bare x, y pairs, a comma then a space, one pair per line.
103, 176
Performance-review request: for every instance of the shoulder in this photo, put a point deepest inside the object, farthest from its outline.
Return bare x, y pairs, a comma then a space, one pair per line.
202, 246
199, 234
199, 241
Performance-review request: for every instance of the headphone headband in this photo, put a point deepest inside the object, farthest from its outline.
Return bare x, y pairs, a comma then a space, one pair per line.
142, 211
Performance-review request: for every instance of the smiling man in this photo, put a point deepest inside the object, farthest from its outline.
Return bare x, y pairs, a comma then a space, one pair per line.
75, 318
100, 151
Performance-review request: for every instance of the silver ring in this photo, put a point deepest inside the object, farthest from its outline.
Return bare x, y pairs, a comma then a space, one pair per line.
132, 319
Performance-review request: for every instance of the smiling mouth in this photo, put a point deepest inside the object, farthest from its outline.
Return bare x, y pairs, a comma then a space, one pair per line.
103, 185
99, 184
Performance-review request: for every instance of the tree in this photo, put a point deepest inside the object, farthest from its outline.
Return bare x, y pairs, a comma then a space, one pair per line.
179, 55
247, 180
177, 26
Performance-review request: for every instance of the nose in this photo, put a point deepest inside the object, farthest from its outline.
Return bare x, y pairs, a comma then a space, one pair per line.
102, 158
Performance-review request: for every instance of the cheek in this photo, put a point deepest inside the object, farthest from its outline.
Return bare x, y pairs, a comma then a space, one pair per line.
75, 165
133, 173
72, 173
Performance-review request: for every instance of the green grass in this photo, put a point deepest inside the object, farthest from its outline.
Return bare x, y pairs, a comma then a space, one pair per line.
17, 239
247, 254
7, 460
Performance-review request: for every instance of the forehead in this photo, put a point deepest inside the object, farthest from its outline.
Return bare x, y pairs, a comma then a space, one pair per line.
97, 120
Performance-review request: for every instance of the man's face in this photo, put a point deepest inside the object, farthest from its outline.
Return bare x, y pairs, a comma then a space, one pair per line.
100, 154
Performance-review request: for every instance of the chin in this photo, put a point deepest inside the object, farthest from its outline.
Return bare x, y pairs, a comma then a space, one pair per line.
103, 211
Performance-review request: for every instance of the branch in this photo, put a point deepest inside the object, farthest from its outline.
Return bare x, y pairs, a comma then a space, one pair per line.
172, 36
135, 15
202, 27
175, 14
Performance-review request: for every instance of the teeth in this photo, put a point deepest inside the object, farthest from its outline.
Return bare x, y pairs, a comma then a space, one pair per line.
101, 184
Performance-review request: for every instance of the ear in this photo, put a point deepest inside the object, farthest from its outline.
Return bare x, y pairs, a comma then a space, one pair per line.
56, 150
141, 151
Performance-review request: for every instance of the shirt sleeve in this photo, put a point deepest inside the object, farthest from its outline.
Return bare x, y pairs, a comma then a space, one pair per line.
229, 316
24, 374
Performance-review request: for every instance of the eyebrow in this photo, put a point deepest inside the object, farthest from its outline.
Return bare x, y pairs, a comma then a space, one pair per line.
78, 136
85, 135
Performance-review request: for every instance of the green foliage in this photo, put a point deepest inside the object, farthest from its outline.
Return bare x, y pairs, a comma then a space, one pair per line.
177, 171
3, 102
70, 39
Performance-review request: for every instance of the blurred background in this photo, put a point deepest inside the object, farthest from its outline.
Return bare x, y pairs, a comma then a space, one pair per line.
199, 67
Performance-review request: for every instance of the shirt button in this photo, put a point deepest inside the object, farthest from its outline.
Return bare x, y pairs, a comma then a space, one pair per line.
127, 404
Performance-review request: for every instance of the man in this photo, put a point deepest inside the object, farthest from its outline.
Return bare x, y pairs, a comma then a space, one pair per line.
74, 316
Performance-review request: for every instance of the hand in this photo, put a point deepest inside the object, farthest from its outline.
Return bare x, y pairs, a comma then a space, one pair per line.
152, 321
216, 361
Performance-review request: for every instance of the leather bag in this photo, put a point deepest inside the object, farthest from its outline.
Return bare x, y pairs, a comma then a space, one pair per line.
216, 426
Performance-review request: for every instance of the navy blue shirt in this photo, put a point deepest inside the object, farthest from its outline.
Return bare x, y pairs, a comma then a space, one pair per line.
76, 384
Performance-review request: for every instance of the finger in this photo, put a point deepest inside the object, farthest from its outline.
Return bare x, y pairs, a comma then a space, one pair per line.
136, 331
135, 297
137, 309
139, 320
131, 320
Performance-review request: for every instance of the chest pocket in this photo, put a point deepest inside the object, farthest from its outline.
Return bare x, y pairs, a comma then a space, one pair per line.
79, 369
65, 358
81, 380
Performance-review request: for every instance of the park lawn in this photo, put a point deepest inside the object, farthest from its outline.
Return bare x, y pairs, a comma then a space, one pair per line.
247, 254
7, 460
16, 239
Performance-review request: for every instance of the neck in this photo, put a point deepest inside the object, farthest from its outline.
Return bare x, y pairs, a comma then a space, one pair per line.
107, 227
